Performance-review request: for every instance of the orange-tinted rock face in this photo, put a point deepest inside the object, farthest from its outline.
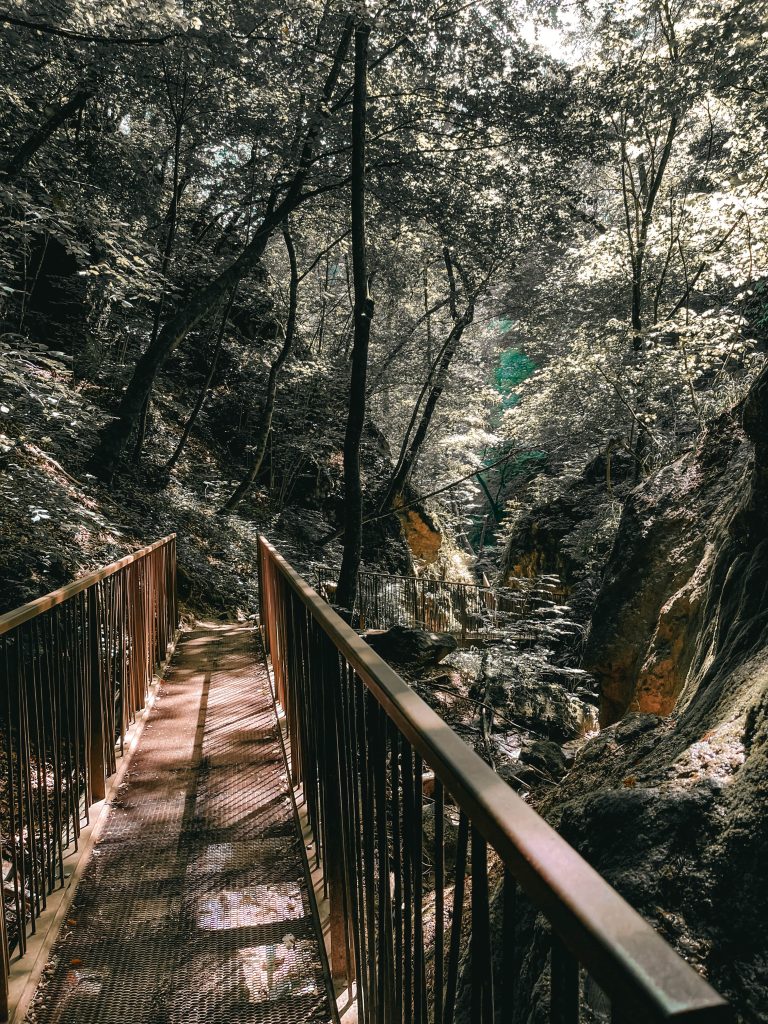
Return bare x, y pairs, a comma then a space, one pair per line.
674, 810
648, 617
424, 539
664, 671
662, 676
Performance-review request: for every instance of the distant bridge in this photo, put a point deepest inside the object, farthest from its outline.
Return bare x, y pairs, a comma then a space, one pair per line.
469, 611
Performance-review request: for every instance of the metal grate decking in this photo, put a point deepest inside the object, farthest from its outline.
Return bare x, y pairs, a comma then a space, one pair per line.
194, 907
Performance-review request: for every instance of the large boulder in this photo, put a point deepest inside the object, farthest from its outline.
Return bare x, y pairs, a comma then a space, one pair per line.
535, 695
410, 648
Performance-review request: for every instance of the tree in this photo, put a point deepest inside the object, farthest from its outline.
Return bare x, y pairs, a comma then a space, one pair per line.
346, 590
434, 384
283, 199
265, 422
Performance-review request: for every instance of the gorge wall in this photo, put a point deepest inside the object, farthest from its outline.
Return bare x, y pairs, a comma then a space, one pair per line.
670, 800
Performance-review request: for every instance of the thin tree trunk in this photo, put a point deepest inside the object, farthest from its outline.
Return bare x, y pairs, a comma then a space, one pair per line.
170, 238
115, 435
204, 389
643, 198
491, 503
434, 384
265, 423
637, 303
346, 590
16, 163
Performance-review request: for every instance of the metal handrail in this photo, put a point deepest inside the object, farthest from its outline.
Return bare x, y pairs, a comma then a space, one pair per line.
76, 665
524, 581
25, 612
594, 926
467, 610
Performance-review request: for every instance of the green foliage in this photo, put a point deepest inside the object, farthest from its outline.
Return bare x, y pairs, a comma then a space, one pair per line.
623, 164
514, 367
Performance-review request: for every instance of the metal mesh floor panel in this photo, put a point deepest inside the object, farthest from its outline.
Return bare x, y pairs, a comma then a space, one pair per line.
194, 905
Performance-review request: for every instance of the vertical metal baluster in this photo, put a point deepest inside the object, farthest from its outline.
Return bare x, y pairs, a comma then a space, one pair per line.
397, 857
13, 794
73, 647
354, 749
507, 959
129, 706
75, 751
454, 952
58, 681
79, 723
96, 767
47, 705
343, 716
53, 672
481, 960
408, 937
384, 923
33, 873
326, 694
364, 701
564, 989
37, 765
5, 964
311, 695
439, 857
419, 967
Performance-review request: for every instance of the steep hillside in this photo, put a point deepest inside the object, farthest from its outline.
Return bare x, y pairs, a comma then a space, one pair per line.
57, 521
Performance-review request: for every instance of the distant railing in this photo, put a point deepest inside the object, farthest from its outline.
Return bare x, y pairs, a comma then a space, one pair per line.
75, 666
466, 610
413, 922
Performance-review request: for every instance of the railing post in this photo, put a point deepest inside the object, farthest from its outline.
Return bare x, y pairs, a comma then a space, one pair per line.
3, 962
96, 763
339, 680
260, 556
342, 955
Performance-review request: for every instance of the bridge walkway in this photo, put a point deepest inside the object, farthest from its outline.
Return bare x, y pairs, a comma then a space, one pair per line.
194, 906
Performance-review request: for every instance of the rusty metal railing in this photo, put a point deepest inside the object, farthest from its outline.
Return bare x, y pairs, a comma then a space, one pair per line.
467, 610
429, 858
75, 668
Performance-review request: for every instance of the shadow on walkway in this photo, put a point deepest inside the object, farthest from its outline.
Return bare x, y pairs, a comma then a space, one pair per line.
194, 907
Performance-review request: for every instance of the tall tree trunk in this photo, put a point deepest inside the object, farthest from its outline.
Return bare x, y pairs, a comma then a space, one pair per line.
204, 389
637, 302
346, 591
432, 388
16, 163
640, 197
265, 423
115, 435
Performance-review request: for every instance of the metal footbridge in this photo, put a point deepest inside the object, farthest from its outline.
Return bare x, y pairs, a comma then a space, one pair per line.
244, 824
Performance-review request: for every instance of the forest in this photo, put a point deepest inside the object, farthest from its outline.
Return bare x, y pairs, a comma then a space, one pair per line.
446, 292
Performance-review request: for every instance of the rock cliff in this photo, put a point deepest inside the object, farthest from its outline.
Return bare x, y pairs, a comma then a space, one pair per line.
670, 801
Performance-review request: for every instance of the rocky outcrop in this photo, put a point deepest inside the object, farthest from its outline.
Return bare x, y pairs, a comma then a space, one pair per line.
569, 534
535, 696
670, 801
410, 648
419, 528
682, 539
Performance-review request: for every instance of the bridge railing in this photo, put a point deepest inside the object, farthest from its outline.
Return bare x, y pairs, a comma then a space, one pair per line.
75, 667
467, 610
429, 857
